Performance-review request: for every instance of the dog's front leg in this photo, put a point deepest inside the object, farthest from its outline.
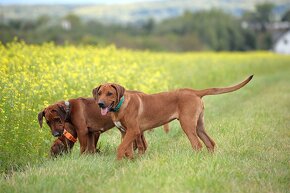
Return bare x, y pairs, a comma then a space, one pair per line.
129, 151
130, 136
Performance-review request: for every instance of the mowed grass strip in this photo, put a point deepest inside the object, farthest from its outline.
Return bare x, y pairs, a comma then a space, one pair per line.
250, 127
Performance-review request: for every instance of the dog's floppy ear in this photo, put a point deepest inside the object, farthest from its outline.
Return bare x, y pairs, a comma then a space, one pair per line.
120, 91
40, 118
95, 92
61, 110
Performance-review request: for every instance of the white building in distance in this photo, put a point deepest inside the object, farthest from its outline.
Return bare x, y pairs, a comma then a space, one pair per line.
282, 45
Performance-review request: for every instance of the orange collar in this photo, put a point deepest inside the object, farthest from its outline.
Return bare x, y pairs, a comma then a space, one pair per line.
69, 136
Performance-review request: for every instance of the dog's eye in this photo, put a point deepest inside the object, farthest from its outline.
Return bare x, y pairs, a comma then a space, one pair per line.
109, 94
57, 120
99, 93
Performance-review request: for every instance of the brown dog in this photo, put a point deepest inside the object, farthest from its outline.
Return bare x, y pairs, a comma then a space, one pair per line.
60, 146
85, 117
66, 141
140, 112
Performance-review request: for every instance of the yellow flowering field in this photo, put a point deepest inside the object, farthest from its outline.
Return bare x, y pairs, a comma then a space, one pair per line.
33, 76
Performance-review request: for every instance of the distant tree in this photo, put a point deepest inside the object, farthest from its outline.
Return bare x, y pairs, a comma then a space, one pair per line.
15, 24
42, 20
214, 29
264, 12
286, 16
249, 16
73, 19
148, 26
250, 40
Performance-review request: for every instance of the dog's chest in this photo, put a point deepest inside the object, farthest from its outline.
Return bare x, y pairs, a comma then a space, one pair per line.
119, 126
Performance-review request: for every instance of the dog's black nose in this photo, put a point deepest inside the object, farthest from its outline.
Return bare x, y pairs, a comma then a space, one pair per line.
56, 134
101, 104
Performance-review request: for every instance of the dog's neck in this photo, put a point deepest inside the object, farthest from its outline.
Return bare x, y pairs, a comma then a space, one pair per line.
71, 130
118, 115
69, 136
117, 108
67, 111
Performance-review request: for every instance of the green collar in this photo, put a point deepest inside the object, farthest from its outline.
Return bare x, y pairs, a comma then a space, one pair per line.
117, 108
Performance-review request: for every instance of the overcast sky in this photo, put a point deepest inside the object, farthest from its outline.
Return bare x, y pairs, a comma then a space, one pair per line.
71, 1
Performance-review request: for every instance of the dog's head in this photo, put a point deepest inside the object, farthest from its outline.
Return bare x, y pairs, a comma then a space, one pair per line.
55, 116
58, 148
108, 96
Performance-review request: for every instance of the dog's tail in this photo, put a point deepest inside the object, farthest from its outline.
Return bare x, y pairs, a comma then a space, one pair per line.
215, 91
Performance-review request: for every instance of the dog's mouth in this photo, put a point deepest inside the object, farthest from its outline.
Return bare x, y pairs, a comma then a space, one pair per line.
57, 133
105, 110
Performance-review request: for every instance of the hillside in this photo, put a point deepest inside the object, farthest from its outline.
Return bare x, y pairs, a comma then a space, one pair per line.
133, 12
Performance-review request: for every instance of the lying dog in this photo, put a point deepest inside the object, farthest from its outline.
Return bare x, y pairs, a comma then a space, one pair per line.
139, 112
64, 143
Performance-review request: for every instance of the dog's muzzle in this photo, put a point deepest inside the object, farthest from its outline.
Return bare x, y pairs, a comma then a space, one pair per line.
56, 133
101, 104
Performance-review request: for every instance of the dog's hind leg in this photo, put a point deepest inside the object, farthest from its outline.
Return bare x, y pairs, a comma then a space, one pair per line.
91, 147
97, 136
144, 141
141, 144
188, 125
209, 143
82, 132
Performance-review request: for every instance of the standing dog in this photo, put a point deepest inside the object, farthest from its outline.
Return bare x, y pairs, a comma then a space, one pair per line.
139, 112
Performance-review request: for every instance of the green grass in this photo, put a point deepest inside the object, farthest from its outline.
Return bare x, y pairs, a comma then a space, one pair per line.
250, 127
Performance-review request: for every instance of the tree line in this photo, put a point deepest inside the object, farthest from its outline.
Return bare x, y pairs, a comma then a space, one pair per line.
203, 30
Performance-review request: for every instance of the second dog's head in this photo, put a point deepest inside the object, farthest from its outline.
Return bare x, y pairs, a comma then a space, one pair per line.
55, 116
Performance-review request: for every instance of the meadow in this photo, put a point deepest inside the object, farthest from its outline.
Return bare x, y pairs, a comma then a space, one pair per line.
250, 126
